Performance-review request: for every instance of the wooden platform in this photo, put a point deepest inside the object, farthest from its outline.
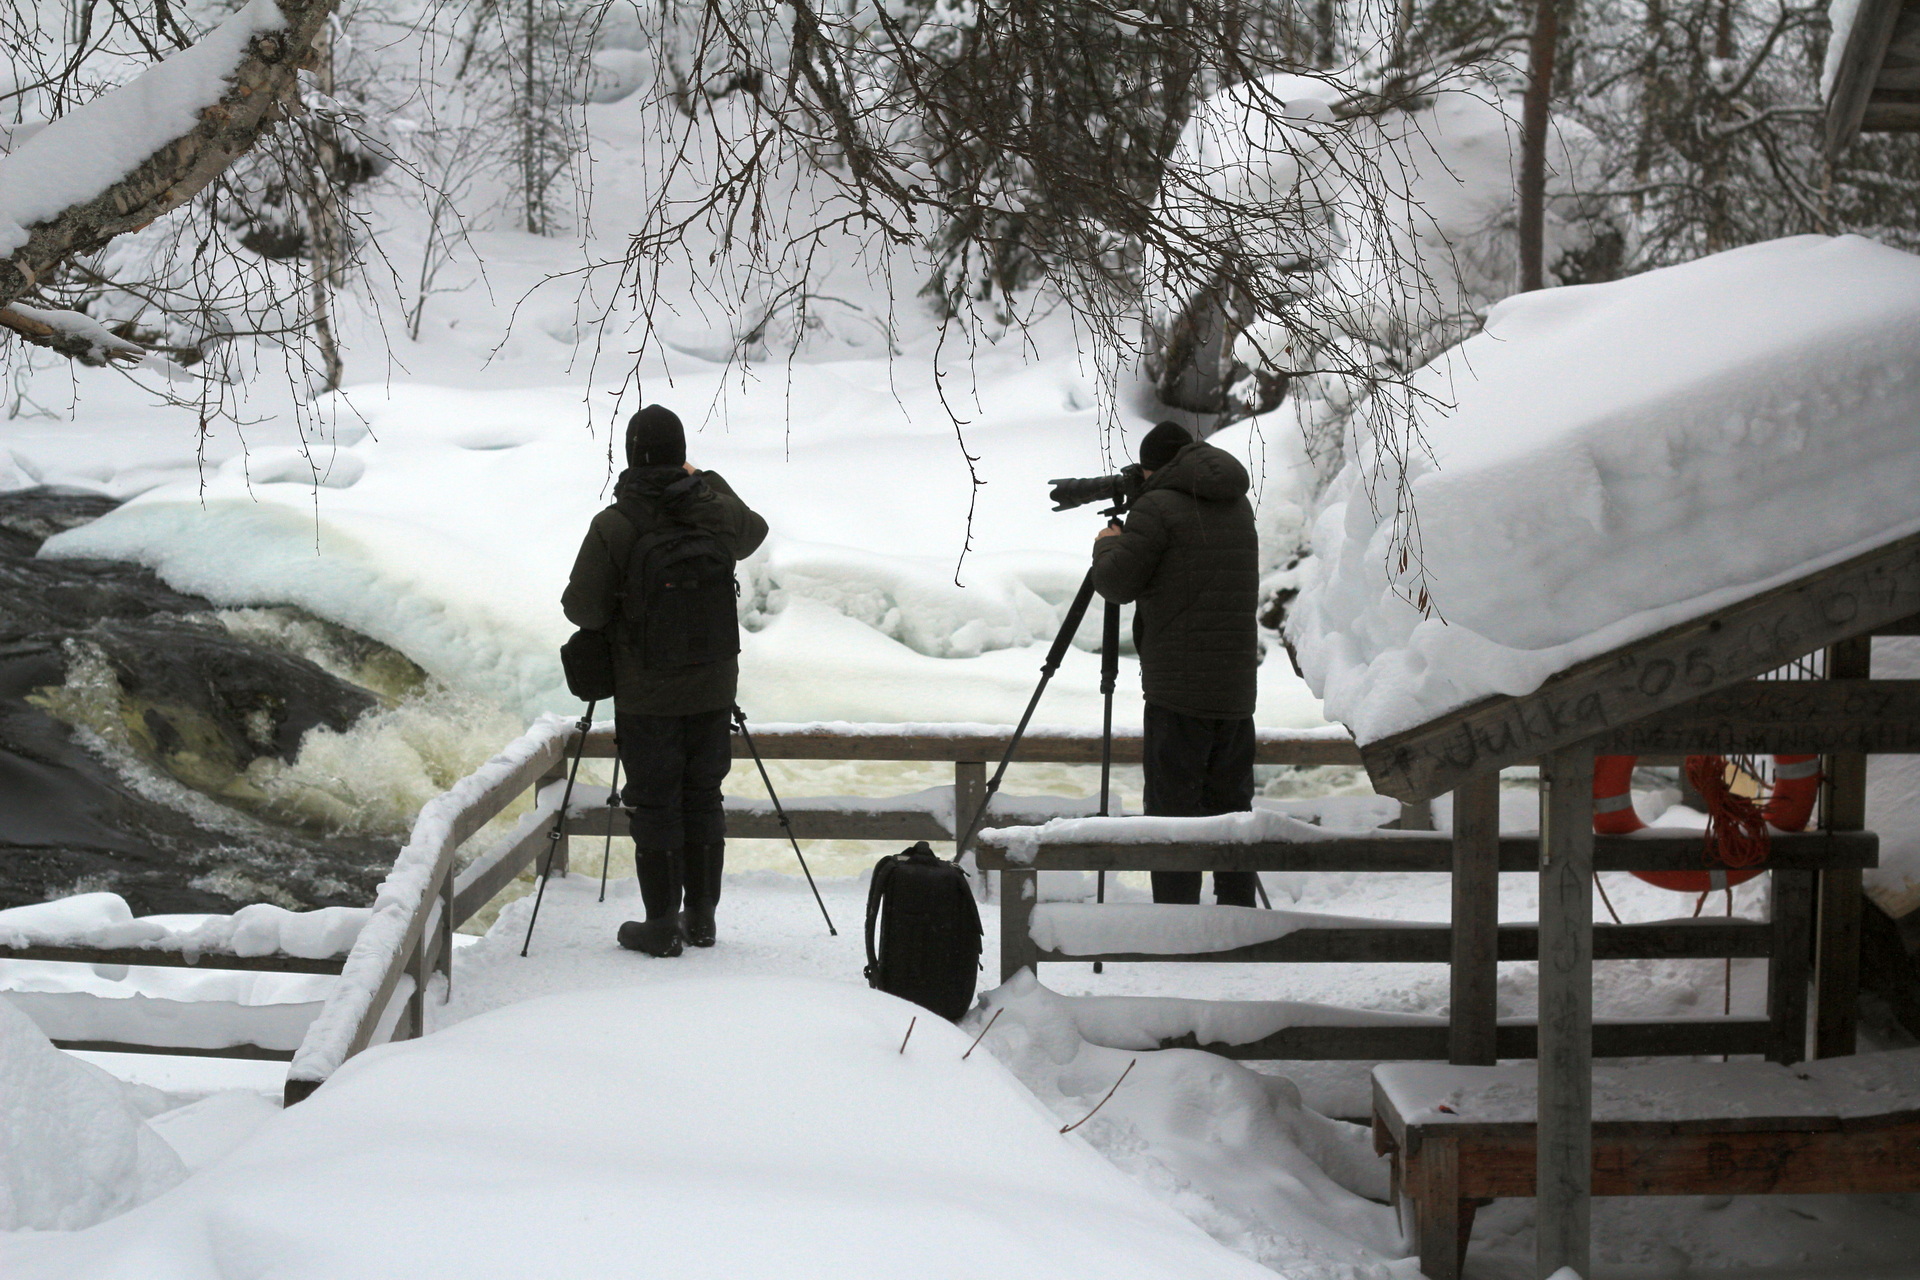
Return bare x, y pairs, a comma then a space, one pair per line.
1753, 1129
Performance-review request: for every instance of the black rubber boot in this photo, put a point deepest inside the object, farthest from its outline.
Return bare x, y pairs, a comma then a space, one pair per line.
704, 864
657, 938
659, 872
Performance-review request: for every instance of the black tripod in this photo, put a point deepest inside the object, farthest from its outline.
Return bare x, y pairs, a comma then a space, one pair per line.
1056, 653
1109, 677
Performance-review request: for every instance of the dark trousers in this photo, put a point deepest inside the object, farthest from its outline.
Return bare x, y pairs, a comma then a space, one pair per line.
1197, 767
675, 767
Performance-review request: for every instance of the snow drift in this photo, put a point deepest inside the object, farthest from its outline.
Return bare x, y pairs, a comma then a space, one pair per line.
707, 1128
73, 1150
1231, 1148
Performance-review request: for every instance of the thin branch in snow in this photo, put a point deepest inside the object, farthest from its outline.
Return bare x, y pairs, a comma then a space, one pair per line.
910, 1026
983, 1033
1103, 1102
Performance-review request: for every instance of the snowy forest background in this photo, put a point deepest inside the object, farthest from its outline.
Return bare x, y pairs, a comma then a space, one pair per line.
990, 160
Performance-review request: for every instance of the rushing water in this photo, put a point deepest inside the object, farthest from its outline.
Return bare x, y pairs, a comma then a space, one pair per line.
195, 759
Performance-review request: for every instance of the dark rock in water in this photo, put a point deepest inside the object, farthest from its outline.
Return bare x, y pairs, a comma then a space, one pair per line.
152, 814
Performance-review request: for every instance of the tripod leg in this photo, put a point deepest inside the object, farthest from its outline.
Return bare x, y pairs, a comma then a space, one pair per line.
1055, 654
740, 722
555, 836
613, 804
1109, 677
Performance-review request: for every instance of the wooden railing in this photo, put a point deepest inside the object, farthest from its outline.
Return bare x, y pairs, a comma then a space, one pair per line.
429, 894
1785, 940
189, 1036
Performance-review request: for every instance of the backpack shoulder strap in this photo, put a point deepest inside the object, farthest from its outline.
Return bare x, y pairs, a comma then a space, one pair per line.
876, 891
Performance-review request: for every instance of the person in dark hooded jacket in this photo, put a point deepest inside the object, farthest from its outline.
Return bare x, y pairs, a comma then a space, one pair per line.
672, 725
1189, 561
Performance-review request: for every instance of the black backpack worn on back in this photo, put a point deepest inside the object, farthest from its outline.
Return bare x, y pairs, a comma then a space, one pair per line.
679, 599
921, 909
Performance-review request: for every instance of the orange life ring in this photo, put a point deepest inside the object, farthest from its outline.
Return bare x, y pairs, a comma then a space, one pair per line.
1796, 785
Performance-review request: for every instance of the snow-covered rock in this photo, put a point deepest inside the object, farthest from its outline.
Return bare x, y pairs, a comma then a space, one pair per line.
105, 920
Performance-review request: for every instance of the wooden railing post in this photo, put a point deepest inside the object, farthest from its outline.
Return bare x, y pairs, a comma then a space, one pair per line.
1564, 1172
561, 848
1017, 893
1474, 1019
1836, 972
1788, 962
416, 1015
444, 961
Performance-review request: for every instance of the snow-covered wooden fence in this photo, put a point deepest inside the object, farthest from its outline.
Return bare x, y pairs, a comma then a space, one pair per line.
1033, 933
429, 893
228, 1006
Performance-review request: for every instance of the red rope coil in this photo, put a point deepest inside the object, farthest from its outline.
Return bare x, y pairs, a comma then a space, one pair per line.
1736, 828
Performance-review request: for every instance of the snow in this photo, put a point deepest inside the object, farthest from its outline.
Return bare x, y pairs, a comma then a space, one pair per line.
202, 1132
853, 611
105, 920
677, 1154
1263, 1174
73, 1149
1257, 826
81, 154
1082, 929
1840, 15
1191, 1135
1142, 1022
1865, 1085
1620, 458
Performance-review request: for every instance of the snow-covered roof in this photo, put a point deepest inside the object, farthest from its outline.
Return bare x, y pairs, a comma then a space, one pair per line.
1874, 47
1621, 458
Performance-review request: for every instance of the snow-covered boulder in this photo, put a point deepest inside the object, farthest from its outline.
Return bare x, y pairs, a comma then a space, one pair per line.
74, 1150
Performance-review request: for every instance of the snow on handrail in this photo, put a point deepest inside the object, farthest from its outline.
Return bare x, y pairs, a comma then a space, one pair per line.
400, 909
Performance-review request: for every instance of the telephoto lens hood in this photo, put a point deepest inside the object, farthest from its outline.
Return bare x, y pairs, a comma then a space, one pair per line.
1118, 489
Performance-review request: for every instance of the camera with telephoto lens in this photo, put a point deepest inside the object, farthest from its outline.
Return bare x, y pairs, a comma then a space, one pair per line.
1117, 490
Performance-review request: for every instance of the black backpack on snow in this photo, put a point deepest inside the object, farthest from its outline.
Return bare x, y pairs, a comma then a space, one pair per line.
928, 931
679, 599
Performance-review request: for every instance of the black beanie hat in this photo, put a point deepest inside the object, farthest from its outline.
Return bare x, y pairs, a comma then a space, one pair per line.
655, 438
1165, 440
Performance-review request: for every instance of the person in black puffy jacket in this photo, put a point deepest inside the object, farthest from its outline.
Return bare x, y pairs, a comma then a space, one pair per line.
1189, 560
673, 725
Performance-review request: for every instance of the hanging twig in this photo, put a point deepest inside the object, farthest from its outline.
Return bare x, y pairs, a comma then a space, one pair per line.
903, 1039
983, 1033
1103, 1102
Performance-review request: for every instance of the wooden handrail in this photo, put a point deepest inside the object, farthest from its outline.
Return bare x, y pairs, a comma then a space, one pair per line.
986, 743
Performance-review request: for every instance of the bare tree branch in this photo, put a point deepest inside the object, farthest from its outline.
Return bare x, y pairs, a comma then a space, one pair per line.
263, 88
